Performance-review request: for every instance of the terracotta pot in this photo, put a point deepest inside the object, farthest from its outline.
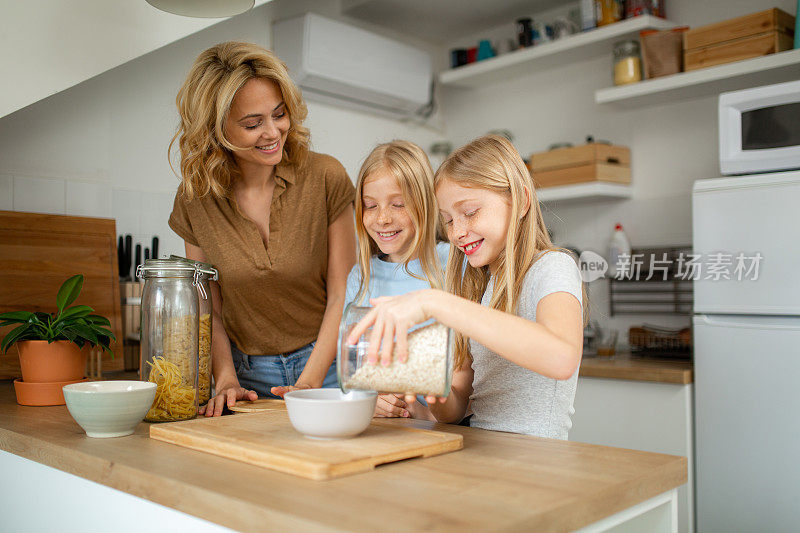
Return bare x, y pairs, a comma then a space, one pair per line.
55, 362
42, 393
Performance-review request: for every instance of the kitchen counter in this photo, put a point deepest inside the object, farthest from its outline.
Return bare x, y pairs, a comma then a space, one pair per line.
625, 366
498, 481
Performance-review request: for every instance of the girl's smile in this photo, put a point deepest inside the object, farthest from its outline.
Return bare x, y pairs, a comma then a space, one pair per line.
472, 247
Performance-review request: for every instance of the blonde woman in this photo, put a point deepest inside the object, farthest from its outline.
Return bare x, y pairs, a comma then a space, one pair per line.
275, 219
397, 250
517, 305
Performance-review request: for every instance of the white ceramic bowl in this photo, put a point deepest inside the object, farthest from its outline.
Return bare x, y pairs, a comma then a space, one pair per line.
330, 413
109, 408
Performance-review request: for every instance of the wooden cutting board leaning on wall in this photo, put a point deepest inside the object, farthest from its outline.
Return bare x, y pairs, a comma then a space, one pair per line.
38, 252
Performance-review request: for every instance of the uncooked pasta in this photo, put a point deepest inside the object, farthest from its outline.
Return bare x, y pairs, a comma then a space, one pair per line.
204, 378
175, 400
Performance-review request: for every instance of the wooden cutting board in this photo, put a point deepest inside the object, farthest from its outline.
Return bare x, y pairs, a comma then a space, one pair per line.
264, 404
267, 439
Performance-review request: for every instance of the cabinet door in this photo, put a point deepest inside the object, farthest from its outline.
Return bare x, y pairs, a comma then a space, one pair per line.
639, 415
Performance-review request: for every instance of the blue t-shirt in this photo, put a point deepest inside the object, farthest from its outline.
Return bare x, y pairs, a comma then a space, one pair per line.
391, 279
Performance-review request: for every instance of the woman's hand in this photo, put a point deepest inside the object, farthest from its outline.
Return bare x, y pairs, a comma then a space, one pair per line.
227, 394
280, 391
390, 318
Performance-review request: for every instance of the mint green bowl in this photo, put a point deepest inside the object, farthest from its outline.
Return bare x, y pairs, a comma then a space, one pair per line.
109, 408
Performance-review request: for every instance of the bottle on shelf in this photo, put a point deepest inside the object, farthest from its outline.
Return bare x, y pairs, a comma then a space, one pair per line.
619, 245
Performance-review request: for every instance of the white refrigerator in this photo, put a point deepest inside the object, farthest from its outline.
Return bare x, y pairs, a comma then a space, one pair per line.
747, 353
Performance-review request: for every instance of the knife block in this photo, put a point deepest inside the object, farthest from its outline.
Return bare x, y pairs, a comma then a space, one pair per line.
131, 322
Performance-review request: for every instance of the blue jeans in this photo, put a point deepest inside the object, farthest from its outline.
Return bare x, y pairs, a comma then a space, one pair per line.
262, 372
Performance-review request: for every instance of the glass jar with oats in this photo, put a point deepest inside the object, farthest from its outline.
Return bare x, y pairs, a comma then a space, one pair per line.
207, 274
170, 332
428, 370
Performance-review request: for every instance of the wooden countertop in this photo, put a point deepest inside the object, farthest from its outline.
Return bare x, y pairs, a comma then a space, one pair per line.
624, 366
498, 481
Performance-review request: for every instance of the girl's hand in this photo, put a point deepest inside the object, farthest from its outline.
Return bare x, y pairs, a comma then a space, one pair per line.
391, 317
280, 391
392, 405
227, 394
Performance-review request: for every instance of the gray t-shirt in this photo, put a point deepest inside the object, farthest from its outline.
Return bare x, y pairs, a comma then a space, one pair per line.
507, 397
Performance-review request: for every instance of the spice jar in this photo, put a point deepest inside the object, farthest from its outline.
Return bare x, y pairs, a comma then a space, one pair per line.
207, 273
170, 337
627, 63
428, 370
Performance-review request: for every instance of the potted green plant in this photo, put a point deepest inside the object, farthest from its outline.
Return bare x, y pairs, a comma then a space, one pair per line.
51, 345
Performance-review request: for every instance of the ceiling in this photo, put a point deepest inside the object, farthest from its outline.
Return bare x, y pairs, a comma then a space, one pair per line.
441, 21
53, 45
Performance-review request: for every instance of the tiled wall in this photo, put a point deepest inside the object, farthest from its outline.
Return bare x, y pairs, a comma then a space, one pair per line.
141, 214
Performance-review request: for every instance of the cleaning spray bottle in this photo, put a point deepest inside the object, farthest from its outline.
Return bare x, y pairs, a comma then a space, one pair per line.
619, 245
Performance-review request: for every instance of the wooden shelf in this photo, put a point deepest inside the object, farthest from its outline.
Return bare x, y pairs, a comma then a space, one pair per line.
568, 49
765, 70
584, 192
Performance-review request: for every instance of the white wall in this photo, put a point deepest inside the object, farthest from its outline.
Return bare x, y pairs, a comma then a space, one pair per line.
671, 145
99, 148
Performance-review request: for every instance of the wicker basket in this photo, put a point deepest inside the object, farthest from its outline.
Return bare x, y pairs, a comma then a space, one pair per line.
653, 341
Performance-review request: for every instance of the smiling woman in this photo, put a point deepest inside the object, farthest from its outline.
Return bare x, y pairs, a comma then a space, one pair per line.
274, 218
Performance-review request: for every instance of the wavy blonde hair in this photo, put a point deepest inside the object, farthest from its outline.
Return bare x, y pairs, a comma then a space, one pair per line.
204, 101
492, 163
409, 165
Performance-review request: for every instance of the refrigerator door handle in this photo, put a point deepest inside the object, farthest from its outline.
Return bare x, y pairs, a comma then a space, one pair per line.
789, 323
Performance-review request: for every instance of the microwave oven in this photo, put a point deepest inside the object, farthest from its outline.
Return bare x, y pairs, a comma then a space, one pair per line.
759, 129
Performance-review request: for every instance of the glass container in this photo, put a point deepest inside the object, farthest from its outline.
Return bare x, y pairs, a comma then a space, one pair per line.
207, 274
428, 370
169, 337
627, 63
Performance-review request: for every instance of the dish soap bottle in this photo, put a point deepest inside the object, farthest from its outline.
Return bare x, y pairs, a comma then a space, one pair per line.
619, 245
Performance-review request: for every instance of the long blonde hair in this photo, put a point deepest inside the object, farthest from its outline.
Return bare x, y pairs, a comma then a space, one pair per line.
492, 163
204, 101
409, 165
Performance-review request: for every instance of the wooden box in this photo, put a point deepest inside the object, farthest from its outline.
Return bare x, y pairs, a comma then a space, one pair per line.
754, 35
581, 164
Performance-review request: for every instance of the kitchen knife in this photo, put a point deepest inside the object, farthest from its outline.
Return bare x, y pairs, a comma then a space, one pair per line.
138, 254
146, 254
121, 256
154, 248
128, 255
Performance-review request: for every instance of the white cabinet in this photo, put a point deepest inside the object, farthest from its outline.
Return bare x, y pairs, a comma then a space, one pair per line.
653, 417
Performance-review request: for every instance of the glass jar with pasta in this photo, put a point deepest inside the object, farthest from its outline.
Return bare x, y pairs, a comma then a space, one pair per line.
170, 337
205, 312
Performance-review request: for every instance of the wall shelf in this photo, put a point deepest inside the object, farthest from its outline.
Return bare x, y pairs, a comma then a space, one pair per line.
774, 68
568, 49
584, 192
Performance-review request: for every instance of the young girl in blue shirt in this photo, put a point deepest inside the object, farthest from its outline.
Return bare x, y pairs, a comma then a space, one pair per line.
517, 306
397, 251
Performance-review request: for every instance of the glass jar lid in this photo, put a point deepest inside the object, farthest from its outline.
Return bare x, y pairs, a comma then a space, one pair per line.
624, 49
174, 268
204, 268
